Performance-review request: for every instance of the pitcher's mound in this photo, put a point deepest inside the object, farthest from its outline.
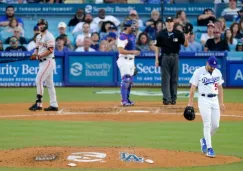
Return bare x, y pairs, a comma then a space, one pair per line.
105, 157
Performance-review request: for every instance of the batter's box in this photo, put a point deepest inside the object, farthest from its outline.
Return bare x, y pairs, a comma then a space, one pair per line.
91, 110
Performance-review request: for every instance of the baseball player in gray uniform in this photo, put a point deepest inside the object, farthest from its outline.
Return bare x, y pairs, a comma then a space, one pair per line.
44, 52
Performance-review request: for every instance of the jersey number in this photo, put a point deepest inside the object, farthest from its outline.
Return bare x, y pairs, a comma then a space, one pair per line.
216, 86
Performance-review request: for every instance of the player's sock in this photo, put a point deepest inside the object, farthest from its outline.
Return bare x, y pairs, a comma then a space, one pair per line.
39, 100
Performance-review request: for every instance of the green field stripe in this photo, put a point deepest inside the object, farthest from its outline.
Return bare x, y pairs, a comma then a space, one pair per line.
23, 95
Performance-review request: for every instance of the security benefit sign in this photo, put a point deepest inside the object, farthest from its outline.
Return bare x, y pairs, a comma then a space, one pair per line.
23, 73
90, 71
148, 73
235, 74
187, 66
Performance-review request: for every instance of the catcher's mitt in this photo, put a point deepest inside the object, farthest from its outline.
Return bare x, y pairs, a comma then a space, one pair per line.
34, 57
189, 113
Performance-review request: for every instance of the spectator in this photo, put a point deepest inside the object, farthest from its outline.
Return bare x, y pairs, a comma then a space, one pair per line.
105, 29
206, 17
143, 43
104, 46
155, 16
115, 1
85, 33
9, 14
13, 23
95, 38
208, 35
232, 42
78, 17
179, 27
102, 17
17, 33
231, 11
217, 43
153, 31
1, 46
112, 39
193, 46
36, 32
86, 46
181, 18
235, 30
241, 26
88, 19
223, 23
14, 45
113, 28
66, 42
32, 44
60, 41
62, 29
133, 15
240, 15
239, 47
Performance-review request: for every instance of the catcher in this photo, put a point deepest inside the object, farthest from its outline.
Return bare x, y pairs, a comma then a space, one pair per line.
209, 81
44, 52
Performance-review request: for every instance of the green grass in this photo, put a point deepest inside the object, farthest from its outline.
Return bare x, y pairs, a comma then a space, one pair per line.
182, 136
20, 95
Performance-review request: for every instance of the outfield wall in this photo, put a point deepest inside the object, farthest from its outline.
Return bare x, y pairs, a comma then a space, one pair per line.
100, 69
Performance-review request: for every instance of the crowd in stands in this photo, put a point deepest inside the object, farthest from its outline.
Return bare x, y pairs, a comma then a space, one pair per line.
88, 33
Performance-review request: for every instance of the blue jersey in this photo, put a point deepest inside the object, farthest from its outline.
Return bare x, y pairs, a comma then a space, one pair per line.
127, 41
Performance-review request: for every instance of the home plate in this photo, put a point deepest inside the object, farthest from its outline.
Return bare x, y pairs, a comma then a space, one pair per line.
138, 111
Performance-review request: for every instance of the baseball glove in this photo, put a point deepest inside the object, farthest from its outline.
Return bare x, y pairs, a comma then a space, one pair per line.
189, 113
34, 57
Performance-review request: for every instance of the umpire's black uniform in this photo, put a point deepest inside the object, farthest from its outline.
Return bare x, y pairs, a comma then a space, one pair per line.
170, 43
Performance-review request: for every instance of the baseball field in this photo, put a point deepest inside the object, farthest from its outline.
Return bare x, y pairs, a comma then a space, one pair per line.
93, 132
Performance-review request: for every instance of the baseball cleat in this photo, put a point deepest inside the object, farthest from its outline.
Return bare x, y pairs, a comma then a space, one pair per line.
210, 153
203, 145
125, 103
131, 102
35, 107
51, 108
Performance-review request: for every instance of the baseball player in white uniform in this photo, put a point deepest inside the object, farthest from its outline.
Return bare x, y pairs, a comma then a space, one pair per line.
44, 52
209, 81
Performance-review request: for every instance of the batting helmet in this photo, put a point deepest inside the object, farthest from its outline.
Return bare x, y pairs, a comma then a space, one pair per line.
44, 22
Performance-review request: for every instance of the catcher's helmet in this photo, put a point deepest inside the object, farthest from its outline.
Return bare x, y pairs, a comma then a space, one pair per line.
42, 21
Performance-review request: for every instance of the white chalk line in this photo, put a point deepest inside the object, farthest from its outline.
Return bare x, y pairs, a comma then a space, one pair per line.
63, 113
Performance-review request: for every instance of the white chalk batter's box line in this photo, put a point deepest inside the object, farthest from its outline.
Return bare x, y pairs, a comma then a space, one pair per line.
127, 109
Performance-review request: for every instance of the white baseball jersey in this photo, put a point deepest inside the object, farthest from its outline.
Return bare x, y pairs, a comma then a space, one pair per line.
123, 43
207, 83
45, 41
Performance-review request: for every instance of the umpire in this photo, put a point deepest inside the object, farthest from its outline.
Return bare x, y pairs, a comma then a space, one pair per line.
169, 40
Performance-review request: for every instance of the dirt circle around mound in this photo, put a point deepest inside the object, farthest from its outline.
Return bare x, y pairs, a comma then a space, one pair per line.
108, 157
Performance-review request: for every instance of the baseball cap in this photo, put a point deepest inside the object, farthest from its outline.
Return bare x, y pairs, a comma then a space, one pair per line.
128, 23
212, 61
113, 27
35, 28
112, 35
241, 10
169, 19
133, 12
210, 24
62, 24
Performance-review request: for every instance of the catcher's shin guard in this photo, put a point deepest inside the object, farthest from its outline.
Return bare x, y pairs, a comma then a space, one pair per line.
126, 81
